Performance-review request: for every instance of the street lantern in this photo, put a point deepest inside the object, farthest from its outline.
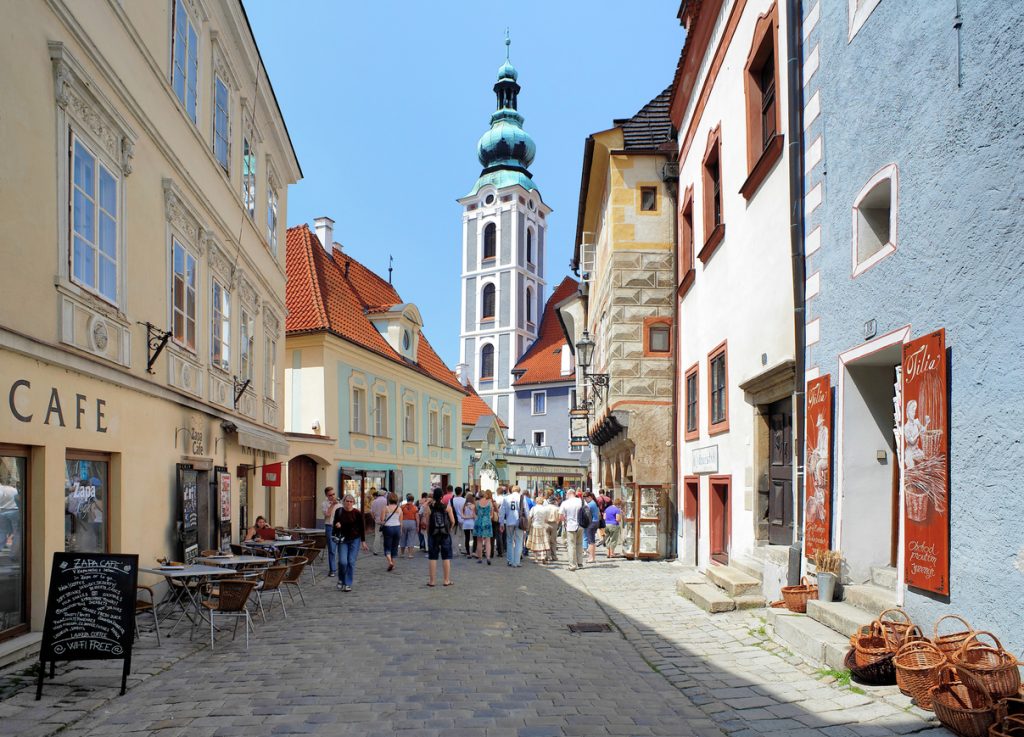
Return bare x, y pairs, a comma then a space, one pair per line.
584, 351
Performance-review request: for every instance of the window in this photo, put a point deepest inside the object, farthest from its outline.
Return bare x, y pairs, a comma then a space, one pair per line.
248, 177
85, 503
358, 409
246, 345
380, 415
714, 226
270, 371
718, 419
529, 305
692, 404
648, 199
446, 430
14, 486
94, 223
184, 59
272, 219
529, 245
538, 437
410, 422
432, 427
487, 363
490, 241
874, 220
183, 298
686, 272
659, 338
221, 117
487, 302
540, 402
760, 82
220, 327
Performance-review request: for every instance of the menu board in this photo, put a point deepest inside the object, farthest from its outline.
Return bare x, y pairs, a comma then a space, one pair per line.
818, 467
90, 611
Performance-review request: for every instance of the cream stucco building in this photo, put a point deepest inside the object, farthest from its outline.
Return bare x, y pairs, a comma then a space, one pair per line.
142, 315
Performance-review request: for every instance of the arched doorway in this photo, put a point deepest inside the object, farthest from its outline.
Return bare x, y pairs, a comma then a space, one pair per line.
302, 492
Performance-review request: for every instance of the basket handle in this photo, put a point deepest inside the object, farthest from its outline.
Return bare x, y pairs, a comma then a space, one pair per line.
922, 644
968, 678
974, 638
805, 581
951, 616
895, 610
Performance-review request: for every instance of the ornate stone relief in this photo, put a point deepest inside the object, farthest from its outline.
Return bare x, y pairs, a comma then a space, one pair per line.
218, 260
270, 413
271, 323
90, 330
247, 292
182, 217
185, 374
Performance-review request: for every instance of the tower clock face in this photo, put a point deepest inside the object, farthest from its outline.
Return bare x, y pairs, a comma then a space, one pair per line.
489, 199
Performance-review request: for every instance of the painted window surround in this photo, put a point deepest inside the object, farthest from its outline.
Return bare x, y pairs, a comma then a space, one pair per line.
716, 428
687, 273
761, 155
713, 234
693, 371
640, 187
890, 172
651, 322
542, 395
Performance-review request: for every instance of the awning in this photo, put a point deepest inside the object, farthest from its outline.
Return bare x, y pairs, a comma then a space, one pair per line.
255, 438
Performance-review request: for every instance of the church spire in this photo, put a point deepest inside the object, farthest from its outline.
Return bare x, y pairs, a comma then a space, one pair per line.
506, 146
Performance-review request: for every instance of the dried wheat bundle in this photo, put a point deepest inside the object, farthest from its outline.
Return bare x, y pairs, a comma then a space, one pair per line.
828, 561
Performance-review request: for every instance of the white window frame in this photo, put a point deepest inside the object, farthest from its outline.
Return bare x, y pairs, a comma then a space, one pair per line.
224, 135
432, 427
249, 175
890, 172
188, 93
187, 316
410, 422
380, 414
270, 369
541, 394
246, 344
446, 430
220, 326
358, 409
272, 222
543, 438
75, 194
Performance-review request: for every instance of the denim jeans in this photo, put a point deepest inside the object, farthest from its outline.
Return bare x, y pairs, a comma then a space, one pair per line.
332, 550
590, 534
513, 544
409, 529
391, 534
348, 551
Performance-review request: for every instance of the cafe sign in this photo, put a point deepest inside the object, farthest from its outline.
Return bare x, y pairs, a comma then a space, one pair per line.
705, 460
818, 468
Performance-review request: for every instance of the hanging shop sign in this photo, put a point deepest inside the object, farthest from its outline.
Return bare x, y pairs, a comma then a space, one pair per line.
818, 469
925, 463
272, 474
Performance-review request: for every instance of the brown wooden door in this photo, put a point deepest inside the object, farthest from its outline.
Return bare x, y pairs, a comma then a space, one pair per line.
721, 518
780, 473
301, 492
691, 520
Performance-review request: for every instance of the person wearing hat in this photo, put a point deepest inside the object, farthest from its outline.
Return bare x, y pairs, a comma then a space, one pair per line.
380, 500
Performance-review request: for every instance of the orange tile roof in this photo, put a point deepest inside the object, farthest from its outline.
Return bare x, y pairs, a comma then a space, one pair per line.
542, 362
335, 293
474, 407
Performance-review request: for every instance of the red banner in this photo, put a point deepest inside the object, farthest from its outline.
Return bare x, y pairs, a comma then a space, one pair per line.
818, 468
925, 463
272, 474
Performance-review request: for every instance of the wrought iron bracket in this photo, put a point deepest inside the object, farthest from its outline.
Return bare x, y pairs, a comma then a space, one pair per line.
240, 387
156, 341
598, 382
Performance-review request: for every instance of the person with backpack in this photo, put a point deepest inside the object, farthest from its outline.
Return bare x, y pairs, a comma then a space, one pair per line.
439, 537
576, 518
512, 518
483, 530
590, 531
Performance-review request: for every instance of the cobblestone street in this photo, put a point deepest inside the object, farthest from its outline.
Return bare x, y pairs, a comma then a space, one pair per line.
489, 656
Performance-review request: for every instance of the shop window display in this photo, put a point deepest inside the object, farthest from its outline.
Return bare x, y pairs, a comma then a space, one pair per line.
85, 505
13, 609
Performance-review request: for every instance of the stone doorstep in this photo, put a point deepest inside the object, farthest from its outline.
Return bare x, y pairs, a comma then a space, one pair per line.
809, 639
21, 648
708, 597
750, 566
734, 581
839, 616
872, 599
884, 577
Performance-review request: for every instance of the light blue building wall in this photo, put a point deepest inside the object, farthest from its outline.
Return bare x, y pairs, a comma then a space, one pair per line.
554, 422
890, 96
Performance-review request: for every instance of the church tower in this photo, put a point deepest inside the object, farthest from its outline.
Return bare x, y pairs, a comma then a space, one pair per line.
503, 243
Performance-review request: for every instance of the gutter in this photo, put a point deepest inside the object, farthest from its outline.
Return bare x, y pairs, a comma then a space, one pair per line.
794, 46
588, 157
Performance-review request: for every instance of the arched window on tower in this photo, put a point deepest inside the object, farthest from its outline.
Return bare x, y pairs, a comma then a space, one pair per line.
529, 246
529, 305
487, 363
487, 302
490, 241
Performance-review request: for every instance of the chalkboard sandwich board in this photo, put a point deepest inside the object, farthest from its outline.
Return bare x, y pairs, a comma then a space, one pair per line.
90, 611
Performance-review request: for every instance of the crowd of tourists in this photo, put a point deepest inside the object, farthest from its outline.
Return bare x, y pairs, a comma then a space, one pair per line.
477, 524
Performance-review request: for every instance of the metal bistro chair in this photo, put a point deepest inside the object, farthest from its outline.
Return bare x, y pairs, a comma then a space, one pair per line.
230, 601
270, 585
295, 565
147, 607
239, 549
311, 553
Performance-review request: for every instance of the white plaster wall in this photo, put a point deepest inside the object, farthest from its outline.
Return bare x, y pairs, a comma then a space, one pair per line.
306, 401
744, 294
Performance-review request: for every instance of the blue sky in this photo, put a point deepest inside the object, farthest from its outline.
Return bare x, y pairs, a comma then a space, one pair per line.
385, 101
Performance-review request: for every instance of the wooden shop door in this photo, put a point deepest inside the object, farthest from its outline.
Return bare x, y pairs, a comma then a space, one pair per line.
302, 492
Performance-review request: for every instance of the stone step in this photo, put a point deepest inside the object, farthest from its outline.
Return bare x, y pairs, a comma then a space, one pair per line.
872, 599
707, 596
749, 601
841, 617
884, 577
777, 554
750, 566
807, 638
734, 581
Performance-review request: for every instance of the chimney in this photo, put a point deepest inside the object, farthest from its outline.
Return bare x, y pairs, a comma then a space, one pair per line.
462, 372
325, 232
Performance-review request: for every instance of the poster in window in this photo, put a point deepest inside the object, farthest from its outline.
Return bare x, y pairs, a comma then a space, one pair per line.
85, 505
924, 459
188, 486
818, 468
224, 487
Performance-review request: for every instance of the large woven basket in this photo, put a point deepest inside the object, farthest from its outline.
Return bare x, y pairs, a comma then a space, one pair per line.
917, 666
961, 704
994, 668
1009, 726
796, 596
878, 673
950, 643
870, 646
896, 625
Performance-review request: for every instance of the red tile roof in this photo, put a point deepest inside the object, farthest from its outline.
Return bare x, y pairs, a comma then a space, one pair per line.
542, 362
474, 407
335, 293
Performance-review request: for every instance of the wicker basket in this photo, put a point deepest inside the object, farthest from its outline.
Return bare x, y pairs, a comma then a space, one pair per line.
950, 644
870, 647
796, 596
994, 668
895, 630
879, 673
917, 670
1012, 707
1010, 726
961, 704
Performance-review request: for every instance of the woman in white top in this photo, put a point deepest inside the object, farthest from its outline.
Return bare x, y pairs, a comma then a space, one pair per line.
391, 525
468, 518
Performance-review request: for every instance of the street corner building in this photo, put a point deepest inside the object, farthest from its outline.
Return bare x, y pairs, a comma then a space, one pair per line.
368, 403
142, 314
620, 321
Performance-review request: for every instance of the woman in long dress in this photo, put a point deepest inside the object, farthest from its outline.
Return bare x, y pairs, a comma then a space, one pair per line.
483, 530
538, 540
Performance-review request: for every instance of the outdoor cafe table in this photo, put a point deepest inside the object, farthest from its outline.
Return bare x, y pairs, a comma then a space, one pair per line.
307, 530
185, 573
236, 560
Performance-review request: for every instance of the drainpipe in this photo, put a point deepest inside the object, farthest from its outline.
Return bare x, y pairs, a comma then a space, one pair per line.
794, 46
673, 189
